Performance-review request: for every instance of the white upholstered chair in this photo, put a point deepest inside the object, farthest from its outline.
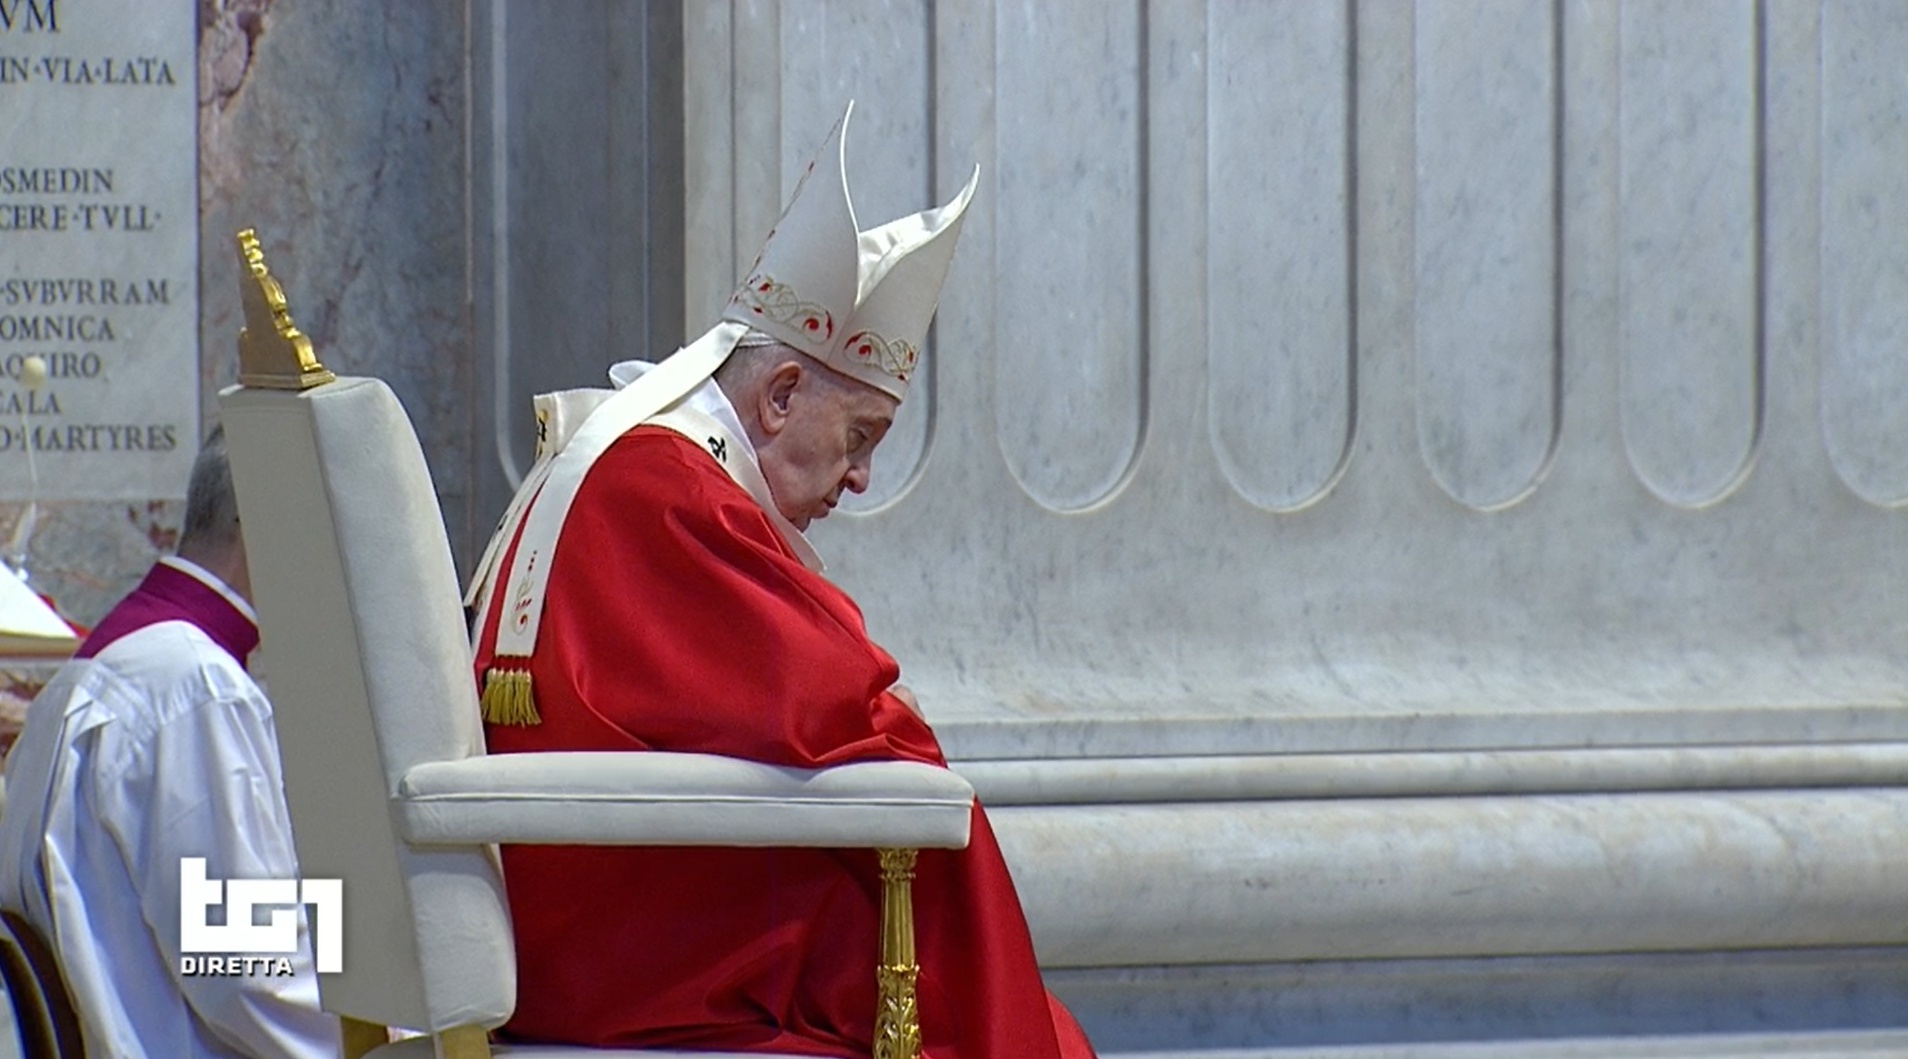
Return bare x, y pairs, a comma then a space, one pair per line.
377, 716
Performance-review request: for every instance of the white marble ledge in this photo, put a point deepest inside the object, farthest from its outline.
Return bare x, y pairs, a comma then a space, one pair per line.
1257, 882
1839, 1044
1200, 725
1232, 777
1042, 710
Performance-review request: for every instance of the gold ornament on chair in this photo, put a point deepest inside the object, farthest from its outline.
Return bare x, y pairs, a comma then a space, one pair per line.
273, 353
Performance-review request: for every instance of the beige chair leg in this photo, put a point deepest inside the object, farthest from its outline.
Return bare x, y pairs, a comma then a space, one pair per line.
897, 1021
463, 1042
357, 1038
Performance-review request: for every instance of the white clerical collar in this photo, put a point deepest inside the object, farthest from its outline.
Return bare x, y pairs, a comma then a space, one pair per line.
707, 398
211, 580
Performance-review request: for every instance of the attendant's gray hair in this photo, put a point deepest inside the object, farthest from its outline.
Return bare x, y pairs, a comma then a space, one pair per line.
211, 516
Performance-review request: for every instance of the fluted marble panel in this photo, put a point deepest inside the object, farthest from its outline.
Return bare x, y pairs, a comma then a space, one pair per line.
1690, 243
1422, 712
1281, 371
881, 55
576, 213
1069, 286
1486, 245
1864, 246
1489, 205
568, 160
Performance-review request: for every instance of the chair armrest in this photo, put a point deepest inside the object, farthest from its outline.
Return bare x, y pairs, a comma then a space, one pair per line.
668, 799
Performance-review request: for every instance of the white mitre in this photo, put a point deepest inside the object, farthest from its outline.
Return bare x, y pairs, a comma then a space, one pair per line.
858, 302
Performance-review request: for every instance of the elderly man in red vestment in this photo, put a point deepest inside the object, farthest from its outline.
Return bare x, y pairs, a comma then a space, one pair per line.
651, 589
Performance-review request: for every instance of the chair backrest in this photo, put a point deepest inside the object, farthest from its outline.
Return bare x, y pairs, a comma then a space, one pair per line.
49, 1027
369, 673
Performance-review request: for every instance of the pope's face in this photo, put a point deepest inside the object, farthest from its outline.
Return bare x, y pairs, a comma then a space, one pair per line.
825, 443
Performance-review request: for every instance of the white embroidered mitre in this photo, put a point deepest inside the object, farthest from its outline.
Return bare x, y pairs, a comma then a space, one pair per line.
866, 321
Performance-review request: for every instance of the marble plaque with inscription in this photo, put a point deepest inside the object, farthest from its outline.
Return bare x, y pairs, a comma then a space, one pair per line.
98, 248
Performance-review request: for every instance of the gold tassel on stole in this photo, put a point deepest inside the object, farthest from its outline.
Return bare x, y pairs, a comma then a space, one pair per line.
507, 698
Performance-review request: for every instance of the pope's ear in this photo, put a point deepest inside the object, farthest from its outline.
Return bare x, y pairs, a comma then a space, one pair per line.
773, 401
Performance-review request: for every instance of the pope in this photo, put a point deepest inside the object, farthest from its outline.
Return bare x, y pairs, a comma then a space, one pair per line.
651, 589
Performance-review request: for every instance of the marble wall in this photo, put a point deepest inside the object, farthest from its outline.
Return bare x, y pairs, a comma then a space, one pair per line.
1403, 515
337, 130
1467, 438
1313, 376
1371, 375
576, 211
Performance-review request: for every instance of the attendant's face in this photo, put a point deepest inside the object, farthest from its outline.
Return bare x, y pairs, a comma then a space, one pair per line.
820, 431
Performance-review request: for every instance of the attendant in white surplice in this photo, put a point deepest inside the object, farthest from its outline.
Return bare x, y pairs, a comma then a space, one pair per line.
154, 745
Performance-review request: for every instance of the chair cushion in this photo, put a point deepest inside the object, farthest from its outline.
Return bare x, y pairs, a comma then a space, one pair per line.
664, 799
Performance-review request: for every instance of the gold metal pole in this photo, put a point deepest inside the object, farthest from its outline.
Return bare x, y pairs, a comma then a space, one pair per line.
897, 1020
463, 1042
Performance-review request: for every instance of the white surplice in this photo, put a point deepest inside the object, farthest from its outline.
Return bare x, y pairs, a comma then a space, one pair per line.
158, 748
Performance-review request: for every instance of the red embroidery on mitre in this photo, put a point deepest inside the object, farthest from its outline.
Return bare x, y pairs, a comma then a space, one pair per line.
764, 296
893, 356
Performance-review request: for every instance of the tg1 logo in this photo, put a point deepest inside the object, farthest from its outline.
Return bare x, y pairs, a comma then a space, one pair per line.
240, 935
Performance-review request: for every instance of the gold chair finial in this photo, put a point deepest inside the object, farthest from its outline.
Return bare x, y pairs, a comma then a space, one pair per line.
273, 353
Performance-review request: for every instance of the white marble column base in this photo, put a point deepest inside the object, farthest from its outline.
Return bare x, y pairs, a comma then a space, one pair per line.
1392, 878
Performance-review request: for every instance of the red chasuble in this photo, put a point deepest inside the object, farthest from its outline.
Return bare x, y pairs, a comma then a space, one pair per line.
678, 619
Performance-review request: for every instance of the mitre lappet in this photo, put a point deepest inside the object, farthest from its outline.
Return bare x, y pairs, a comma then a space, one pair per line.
857, 301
